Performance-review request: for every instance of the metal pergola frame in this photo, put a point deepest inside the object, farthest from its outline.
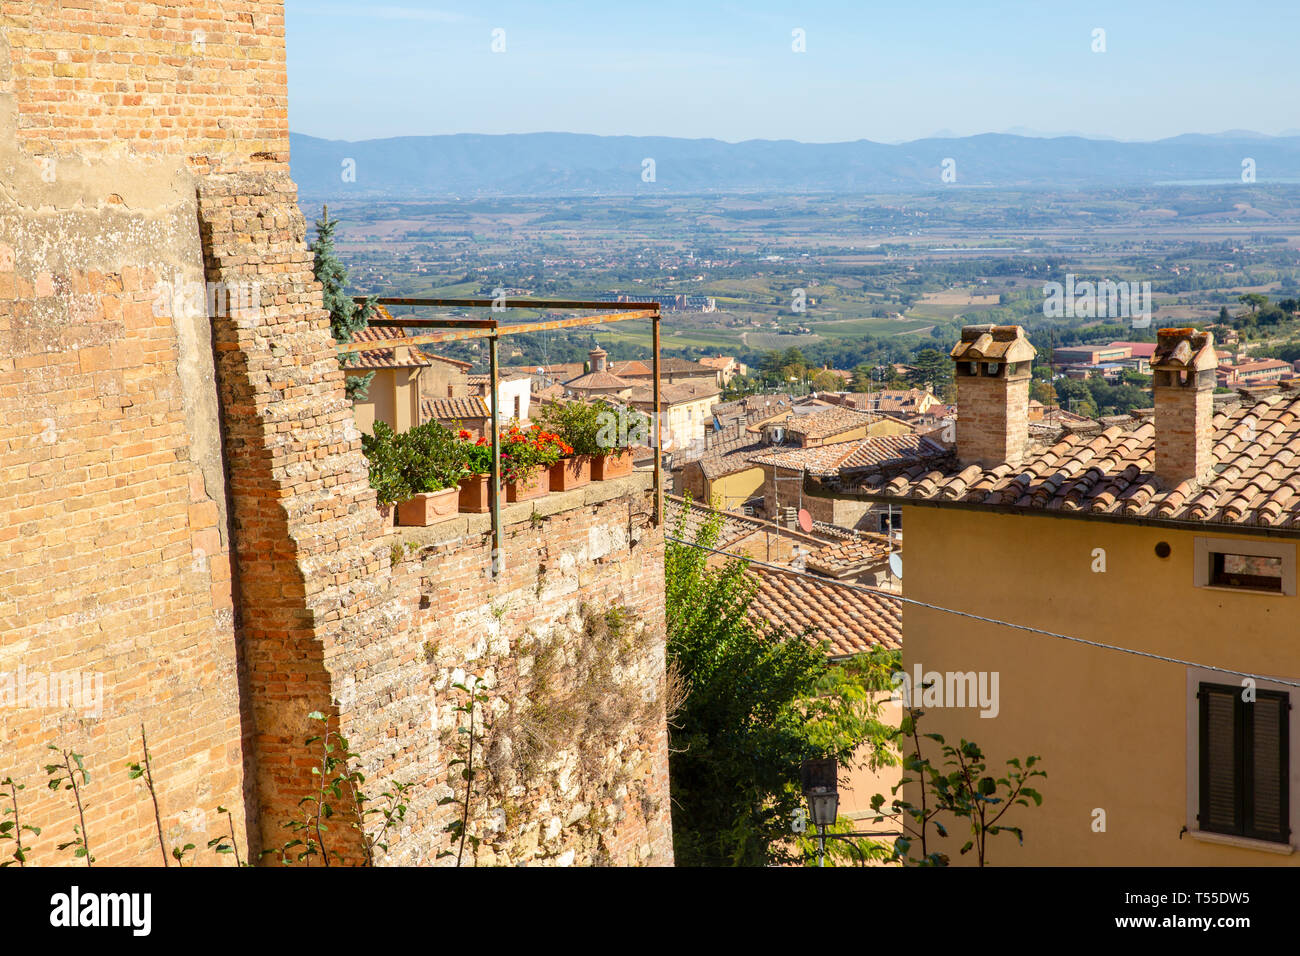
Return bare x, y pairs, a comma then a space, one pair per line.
456, 329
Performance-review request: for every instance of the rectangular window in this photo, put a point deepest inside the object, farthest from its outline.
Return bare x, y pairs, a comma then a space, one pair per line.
1249, 571
1259, 567
1244, 763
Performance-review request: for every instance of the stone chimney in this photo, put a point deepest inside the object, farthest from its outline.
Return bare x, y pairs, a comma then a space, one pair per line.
597, 356
1182, 371
993, 364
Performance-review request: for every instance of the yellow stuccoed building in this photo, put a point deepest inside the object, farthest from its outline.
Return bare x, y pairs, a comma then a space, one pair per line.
1171, 536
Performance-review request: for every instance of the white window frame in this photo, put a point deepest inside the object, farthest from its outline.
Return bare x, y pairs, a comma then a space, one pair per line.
1200, 675
1203, 547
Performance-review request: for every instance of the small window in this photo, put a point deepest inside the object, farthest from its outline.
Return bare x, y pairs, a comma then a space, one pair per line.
1244, 763
1251, 572
1255, 567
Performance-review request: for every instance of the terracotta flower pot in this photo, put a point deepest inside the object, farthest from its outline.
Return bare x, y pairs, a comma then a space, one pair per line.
422, 510
614, 465
570, 473
534, 486
474, 498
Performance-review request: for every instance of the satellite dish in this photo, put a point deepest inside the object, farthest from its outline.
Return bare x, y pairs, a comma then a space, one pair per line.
896, 564
805, 520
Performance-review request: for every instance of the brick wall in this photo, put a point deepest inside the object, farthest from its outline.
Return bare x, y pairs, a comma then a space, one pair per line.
574, 754
114, 556
1184, 424
992, 419
184, 510
197, 80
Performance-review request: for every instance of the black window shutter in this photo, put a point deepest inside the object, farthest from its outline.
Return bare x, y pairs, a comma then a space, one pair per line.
1220, 760
1245, 763
1265, 782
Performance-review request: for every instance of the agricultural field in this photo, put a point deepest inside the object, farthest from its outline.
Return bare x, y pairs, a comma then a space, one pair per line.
835, 276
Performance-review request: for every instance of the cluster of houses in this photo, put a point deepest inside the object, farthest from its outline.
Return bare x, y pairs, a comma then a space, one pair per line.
411, 386
1110, 361
1116, 582
1124, 587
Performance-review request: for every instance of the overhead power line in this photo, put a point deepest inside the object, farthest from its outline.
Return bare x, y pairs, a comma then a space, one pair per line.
986, 620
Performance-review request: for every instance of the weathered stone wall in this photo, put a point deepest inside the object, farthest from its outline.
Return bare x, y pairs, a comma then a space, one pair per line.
184, 508
567, 643
114, 561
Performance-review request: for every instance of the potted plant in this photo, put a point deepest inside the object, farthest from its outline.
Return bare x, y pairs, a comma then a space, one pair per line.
419, 470
380, 448
577, 424
526, 458
620, 429
477, 455
433, 468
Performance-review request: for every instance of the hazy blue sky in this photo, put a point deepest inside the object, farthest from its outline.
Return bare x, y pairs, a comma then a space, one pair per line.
881, 71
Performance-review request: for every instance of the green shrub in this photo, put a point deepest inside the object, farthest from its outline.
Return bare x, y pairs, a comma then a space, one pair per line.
596, 428
577, 422
425, 458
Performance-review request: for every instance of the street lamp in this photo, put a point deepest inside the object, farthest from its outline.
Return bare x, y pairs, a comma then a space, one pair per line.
820, 780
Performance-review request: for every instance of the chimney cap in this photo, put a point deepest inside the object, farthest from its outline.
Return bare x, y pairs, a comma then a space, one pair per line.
1184, 350
993, 343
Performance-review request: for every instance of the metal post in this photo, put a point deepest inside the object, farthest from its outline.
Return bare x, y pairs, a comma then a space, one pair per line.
821, 846
494, 485
658, 429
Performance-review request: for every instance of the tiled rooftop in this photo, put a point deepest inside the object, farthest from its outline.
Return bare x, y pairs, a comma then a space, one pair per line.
827, 422
861, 452
597, 380
727, 456
752, 408
851, 556
734, 526
895, 401
673, 393
385, 358
1256, 480
851, 620
454, 409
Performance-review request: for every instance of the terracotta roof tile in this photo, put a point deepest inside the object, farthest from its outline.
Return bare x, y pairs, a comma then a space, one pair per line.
673, 393
1255, 482
384, 358
827, 422
851, 556
851, 620
454, 409
728, 457
861, 452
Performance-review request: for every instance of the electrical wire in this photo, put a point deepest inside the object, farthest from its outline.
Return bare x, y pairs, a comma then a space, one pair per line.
986, 620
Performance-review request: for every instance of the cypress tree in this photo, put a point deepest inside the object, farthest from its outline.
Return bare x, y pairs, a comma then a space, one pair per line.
346, 316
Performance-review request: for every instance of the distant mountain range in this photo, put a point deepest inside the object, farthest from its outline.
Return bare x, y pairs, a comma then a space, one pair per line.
574, 164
